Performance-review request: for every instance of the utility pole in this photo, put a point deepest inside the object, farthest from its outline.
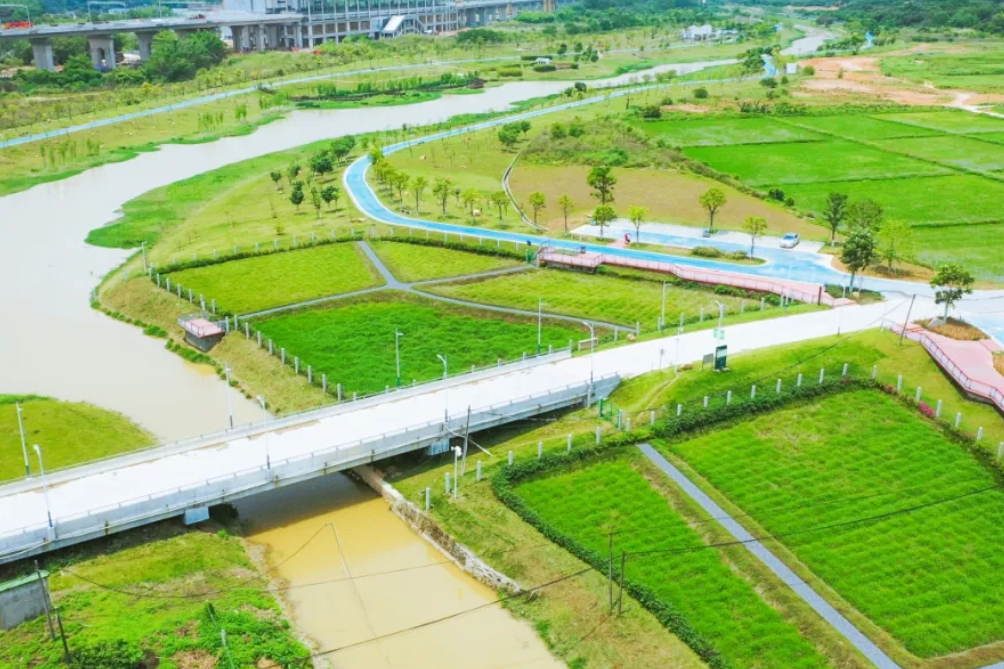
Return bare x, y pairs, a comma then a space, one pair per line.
620, 597
662, 323
467, 434
45, 600
907, 321
24, 444
62, 635
610, 571
397, 354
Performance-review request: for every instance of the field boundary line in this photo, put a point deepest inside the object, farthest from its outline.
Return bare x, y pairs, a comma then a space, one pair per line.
867, 647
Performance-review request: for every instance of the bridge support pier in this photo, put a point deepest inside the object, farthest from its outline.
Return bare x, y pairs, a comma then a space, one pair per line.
273, 36
259, 37
240, 38
145, 45
102, 49
41, 51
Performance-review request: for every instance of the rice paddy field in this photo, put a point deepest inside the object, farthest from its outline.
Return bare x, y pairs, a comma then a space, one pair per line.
976, 67
702, 586
928, 168
926, 568
615, 300
277, 279
354, 343
410, 262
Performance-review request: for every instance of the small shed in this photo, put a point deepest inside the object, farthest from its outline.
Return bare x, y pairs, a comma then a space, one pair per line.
23, 599
543, 60
200, 332
791, 68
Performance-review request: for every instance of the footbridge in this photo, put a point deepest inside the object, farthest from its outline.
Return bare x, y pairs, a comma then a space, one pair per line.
77, 504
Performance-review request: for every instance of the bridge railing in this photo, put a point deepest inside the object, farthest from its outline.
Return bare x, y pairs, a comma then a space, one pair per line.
174, 500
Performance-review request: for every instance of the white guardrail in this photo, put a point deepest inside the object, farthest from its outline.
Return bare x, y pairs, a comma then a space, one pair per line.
169, 502
971, 386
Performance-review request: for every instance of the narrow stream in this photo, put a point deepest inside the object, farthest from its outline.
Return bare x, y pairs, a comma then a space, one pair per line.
353, 571
52, 342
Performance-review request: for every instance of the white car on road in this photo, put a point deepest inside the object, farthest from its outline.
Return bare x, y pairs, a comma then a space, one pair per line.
790, 241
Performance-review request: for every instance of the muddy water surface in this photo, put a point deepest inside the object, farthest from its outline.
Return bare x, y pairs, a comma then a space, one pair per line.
354, 571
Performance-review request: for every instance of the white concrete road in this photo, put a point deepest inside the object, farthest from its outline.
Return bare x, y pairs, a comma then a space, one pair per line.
93, 487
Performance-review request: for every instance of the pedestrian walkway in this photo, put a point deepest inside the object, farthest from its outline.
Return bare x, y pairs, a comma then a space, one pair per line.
801, 588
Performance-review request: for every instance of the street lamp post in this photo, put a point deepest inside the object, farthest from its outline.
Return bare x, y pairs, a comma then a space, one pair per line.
456, 478
24, 444
662, 323
397, 354
45, 486
230, 409
264, 420
540, 321
721, 313
445, 368
592, 352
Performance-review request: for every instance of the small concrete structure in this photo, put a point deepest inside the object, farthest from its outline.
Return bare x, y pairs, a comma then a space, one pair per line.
200, 332
23, 599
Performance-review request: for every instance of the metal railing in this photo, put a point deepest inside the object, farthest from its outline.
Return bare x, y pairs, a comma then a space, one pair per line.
174, 500
944, 360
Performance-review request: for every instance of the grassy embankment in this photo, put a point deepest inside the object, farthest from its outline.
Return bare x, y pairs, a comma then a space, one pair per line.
158, 596
973, 66
411, 263
68, 432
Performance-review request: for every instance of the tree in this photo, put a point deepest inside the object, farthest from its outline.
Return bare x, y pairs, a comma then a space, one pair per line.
276, 178
537, 202
754, 226
509, 136
865, 214
330, 194
321, 163
859, 251
376, 156
895, 240
603, 216
602, 181
418, 185
400, 181
713, 200
524, 127
469, 198
501, 202
637, 215
292, 172
315, 200
342, 147
567, 206
950, 284
296, 196
835, 213
441, 190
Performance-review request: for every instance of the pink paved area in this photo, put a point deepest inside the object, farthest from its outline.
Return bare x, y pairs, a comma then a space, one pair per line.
973, 358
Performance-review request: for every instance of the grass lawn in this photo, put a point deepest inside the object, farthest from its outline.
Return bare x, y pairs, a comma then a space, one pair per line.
69, 433
276, 279
965, 152
957, 122
606, 298
928, 577
413, 262
861, 128
933, 200
808, 162
720, 606
671, 196
179, 574
975, 68
724, 131
977, 246
354, 343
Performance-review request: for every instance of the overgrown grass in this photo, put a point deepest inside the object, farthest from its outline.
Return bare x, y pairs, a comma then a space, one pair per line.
69, 433
354, 343
976, 68
927, 576
414, 262
276, 279
190, 585
717, 604
715, 132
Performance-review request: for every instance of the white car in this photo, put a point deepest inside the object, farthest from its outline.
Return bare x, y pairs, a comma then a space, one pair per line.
790, 241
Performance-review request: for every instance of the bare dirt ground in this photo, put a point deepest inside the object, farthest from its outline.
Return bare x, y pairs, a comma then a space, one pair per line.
847, 76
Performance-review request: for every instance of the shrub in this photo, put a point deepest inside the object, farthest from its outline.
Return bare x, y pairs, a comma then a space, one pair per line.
789, 201
738, 255
776, 194
706, 252
651, 111
700, 93
511, 72
666, 101
545, 68
117, 654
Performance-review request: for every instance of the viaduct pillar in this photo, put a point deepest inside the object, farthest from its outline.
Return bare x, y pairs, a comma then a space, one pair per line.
102, 49
41, 51
145, 45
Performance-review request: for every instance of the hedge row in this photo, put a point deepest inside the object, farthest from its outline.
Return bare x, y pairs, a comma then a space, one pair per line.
505, 481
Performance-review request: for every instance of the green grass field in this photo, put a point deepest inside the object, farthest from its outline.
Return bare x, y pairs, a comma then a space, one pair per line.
177, 573
716, 132
954, 122
413, 262
69, 433
928, 576
607, 298
965, 152
722, 608
860, 128
253, 284
354, 344
808, 162
976, 67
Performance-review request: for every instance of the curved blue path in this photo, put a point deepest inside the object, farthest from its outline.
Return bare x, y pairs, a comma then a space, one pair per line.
810, 268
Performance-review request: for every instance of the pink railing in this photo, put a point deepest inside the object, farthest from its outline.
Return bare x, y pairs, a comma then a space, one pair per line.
590, 260
971, 386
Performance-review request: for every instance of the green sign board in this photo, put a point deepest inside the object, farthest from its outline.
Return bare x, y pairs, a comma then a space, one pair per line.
721, 358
